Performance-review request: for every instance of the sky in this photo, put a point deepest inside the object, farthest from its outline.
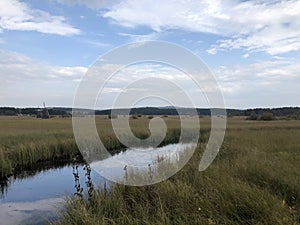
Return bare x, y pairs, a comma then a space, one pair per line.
251, 47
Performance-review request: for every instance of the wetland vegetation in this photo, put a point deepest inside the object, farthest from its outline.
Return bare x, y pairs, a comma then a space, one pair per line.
253, 180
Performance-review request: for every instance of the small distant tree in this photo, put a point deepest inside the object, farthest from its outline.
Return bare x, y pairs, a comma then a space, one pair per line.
294, 116
112, 116
253, 116
134, 117
267, 116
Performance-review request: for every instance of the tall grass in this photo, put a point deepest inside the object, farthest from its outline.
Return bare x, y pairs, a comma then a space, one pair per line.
27, 141
254, 180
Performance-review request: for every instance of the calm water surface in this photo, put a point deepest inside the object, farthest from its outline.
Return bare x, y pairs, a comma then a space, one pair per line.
37, 197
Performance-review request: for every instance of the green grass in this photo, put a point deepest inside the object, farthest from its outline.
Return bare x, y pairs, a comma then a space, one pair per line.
254, 180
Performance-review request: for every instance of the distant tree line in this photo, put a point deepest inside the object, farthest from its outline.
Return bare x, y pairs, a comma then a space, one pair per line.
257, 113
11, 111
278, 112
270, 114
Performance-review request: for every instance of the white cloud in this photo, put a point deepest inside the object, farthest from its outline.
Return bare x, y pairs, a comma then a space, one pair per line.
246, 56
271, 83
276, 70
24, 81
267, 83
191, 15
16, 15
15, 66
149, 79
90, 3
27, 82
270, 26
140, 37
97, 44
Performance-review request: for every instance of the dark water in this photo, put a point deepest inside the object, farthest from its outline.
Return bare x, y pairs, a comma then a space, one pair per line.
37, 196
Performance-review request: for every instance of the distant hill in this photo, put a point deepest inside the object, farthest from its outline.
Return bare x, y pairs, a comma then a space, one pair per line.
278, 112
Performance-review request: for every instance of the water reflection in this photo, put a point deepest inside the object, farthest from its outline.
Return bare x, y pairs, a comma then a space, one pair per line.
50, 179
78, 188
29, 173
127, 164
3, 188
88, 181
35, 195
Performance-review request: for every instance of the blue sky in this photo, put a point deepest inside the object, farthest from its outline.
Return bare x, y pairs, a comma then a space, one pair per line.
252, 47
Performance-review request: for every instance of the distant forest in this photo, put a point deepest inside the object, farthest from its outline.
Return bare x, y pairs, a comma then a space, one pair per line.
59, 111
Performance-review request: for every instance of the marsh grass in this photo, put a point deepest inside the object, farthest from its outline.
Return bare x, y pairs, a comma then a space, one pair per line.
27, 141
254, 180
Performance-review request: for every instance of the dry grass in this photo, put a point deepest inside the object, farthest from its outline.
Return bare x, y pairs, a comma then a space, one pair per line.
26, 141
254, 180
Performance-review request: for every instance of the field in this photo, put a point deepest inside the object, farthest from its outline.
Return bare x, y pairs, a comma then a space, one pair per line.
27, 141
254, 179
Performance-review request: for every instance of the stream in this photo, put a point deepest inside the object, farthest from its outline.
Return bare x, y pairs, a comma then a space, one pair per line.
37, 197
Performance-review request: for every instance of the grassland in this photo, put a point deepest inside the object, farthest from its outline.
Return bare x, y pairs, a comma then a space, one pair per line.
27, 141
254, 179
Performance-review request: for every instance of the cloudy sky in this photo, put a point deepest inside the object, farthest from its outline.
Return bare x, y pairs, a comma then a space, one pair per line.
251, 47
